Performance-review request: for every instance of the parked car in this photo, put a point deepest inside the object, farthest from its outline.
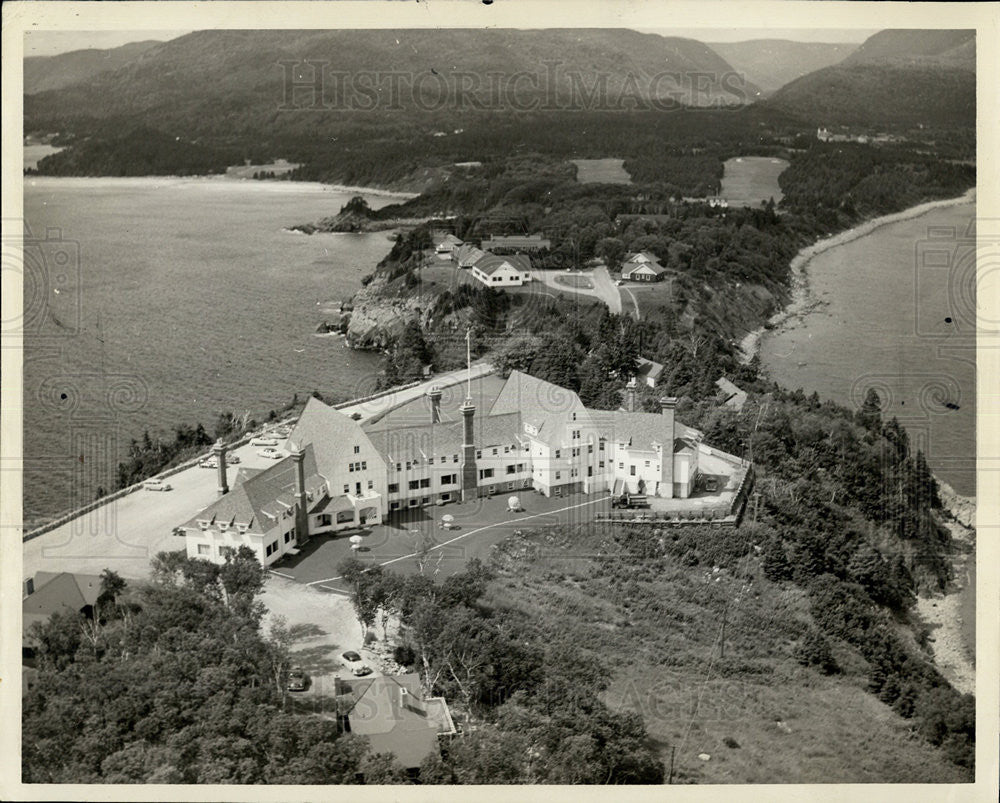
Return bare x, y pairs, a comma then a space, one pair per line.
263, 440
273, 454
619, 282
209, 462
281, 432
157, 485
296, 680
232, 458
356, 416
351, 656
361, 671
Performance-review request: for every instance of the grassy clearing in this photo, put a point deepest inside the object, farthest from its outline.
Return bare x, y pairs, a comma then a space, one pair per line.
657, 624
601, 171
748, 180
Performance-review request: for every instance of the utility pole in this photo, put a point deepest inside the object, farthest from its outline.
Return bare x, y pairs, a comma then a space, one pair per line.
670, 777
722, 653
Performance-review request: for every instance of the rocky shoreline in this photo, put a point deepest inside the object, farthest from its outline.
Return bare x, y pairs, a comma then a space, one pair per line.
802, 302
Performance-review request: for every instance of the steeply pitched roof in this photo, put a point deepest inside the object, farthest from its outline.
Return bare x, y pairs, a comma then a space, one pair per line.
651, 267
467, 254
415, 412
641, 430
549, 408
329, 431
59, 592
491, 263
259, 501
394, 717
423, 441
649, 368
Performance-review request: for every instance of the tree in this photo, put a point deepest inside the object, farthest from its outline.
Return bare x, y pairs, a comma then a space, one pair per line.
242, 578
517, 354
814, 650
870, 414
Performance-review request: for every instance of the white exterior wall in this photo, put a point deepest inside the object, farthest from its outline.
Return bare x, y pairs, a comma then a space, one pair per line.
374, 471
217, 541
639, 458
504, 276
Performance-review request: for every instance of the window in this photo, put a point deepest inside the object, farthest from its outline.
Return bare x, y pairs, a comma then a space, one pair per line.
574, 472
430, 462
399, 466
426, 500
506, 450
558, 453
414, 502
494, 452
413, 484
631, 471
511, 469
204, 549
226, 551
600, 444
510, 486
271, 549
408, 464
445, 497
621, 465
425, 482
449, 479
347, 488
479, 454
647, 464
520, 467
394, 487
351, 467
485, 473
558, 474
576, 434
364, 465
575, 452
288, 536
370, 485
357, 450
600, 464
394, 506
455, 459
590, 471
590, 448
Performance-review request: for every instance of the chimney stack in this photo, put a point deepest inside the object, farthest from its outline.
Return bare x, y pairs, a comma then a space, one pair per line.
667, 405
219, 452
470, 473
630, 396
301, 513
435, 397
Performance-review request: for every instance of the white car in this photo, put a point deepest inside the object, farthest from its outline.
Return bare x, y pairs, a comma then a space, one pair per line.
263, 441
209, 462
274, 454
232, 458
619, 283
157, 485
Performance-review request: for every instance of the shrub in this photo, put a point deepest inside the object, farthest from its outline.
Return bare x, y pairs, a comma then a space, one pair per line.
403, 655
814, 650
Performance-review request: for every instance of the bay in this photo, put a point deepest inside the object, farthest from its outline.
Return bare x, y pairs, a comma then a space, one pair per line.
153, 302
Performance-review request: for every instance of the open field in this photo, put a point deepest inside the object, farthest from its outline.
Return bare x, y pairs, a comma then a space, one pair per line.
656, 623
749, 180
601, 171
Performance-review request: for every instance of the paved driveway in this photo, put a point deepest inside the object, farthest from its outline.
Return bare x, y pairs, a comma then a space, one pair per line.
603, 289
416, 542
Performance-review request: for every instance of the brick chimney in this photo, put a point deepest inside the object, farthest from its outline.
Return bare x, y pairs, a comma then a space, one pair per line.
219, 452
435, 396
301, 511
667, 405
630, 396
470, 473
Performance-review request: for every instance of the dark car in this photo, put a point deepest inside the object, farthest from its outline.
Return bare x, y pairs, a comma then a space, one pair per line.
351, 656
296, 680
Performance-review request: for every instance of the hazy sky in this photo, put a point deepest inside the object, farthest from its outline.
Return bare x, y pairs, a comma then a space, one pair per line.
49, 43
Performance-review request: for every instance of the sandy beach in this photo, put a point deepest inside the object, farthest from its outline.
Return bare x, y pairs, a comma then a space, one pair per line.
219, 181
802, 302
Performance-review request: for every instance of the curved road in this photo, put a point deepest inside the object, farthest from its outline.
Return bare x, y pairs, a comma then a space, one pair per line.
604, 288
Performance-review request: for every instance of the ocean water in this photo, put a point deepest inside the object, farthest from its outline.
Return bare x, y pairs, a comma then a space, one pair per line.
895, 311
156, 302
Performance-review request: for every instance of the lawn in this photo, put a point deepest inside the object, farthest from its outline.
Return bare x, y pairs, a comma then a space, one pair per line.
601, 171
748, 180
575, 280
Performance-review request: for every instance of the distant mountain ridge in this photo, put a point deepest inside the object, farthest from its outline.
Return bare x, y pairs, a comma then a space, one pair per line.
211, 81
45, 73
772, 63
901, 48
896, 78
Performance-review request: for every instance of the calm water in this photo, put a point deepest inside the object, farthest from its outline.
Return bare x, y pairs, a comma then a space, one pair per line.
155, 302
898, 316
35, 153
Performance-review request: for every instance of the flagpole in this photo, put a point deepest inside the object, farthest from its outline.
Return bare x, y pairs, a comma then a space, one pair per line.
468, 363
